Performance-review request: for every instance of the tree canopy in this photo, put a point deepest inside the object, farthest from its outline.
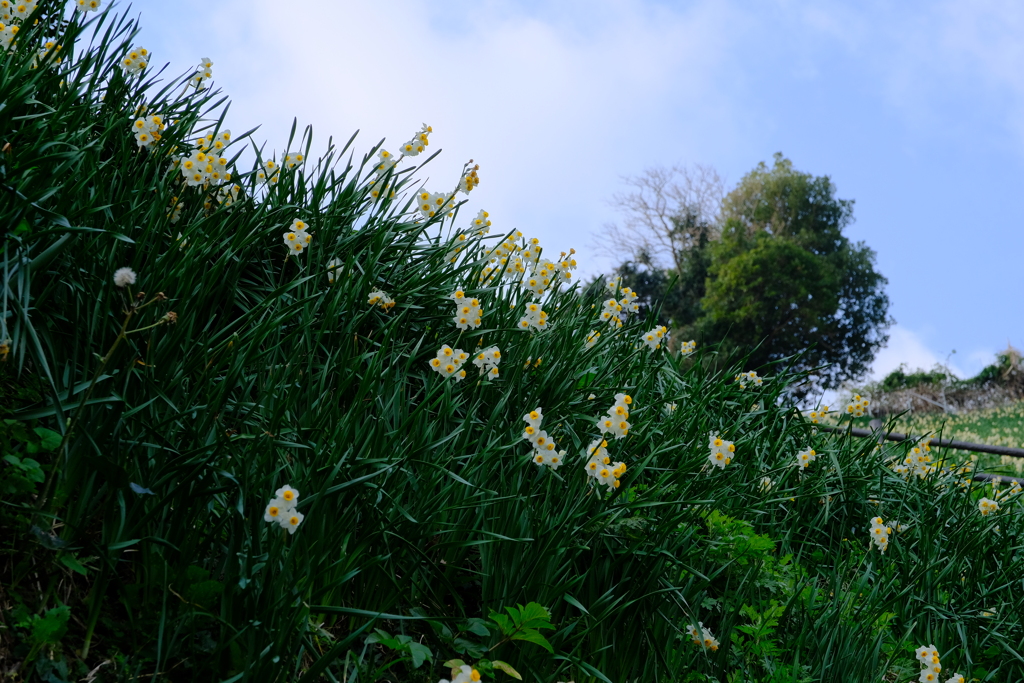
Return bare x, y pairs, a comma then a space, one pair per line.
773, 276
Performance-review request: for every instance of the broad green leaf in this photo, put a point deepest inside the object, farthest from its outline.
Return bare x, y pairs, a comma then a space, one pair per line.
72, 563
532, 636
507, 668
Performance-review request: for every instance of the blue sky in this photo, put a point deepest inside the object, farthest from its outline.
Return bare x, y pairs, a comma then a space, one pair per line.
915, 110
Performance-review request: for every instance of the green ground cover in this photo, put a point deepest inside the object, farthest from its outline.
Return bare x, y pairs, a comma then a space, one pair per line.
226, 457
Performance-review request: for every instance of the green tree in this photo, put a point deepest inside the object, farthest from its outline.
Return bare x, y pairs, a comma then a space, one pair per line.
784, 280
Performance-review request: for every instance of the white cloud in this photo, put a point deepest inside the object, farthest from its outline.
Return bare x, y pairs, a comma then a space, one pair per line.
553, 114
907, 347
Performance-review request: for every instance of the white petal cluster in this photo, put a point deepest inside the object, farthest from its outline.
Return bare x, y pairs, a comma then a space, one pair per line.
615, 421
720, 451
468, 311
534, 318
857, 407
281, 509
203, 73
379, 297
467, 674
687, 347
928, 656
334, 269
227, 194
87, 5
987, 506
818, 414
175, 214
766, 484
204, 165
124, 276
592, 338
136, 60
418, 143
16, 11
746, 379
701, 635
805, 458
654, 337
880, 533
488, 360
469, 178
599, 465
147, 130
8, 32
918, 461
297, 239
544, 448
504, 261
613, 311
448, 362
385, 162
544, 274
269, 172
481, 223
431, 204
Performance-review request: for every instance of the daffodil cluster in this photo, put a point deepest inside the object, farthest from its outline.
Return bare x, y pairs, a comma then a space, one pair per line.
431, 204
615, 311
469, 178
880, 533
545, 274
615, 421
147, 129
385, 162
504, 261
204, 165
48, 54
297, 239
702, 636
929, 659
269, 172
592, 338
819, 414
379, 298
488, 360
987, 506
544, 452
418, 143
720, 451
281, 509
533, 317
857, 407
654, 337
766, 484
467, 674
8, 32
805, 458
14, 12
746, 379
448, 362
687, 347
334, 269
203, 73
136, 60
917, 461
467, 311
600, 467
87, 5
